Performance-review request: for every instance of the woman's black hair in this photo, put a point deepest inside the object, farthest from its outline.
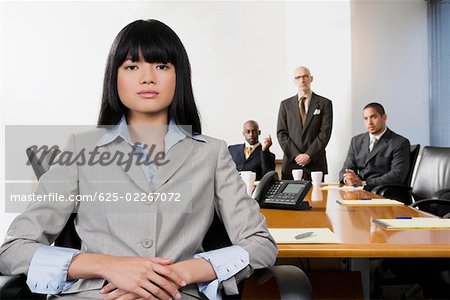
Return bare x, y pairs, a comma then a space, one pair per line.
158, 43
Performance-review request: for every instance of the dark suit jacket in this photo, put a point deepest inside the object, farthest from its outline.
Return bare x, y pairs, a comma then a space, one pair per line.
387, 163
294, 138
259, 161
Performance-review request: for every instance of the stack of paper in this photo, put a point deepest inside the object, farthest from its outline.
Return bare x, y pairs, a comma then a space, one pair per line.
370, 202
330, 183
414, 223
344, 187
318, 236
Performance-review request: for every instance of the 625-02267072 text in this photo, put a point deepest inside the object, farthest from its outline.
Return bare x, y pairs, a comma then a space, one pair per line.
97, 196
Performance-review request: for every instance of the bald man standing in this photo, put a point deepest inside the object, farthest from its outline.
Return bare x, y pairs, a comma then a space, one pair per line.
304, 128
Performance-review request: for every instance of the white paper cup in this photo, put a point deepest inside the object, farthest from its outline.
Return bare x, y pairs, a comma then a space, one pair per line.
245, 175
316, 194
248, 177
316, 177
297, 174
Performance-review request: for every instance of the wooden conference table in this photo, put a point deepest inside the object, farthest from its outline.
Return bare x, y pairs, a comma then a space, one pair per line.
360, 237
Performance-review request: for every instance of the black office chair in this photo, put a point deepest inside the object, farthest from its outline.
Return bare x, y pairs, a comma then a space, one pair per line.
291, 282
413, 154
402, 194
432, 179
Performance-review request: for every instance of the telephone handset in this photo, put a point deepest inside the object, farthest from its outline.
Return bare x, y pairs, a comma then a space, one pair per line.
285, 194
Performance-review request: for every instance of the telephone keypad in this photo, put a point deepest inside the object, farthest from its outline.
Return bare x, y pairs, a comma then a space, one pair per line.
285, 199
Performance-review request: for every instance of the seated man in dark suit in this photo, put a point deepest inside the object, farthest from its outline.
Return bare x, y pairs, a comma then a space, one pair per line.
377, 157
253, 156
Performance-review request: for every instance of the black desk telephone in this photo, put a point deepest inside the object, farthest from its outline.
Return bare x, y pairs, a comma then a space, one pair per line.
284, 194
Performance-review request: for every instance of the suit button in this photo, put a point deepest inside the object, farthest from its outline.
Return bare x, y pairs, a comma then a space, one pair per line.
147, 243
148, 201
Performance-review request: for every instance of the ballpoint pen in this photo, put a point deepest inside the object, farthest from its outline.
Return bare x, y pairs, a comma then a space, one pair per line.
403, 218
303, 235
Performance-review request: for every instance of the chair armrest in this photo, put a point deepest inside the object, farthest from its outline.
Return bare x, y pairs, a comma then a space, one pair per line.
437, 207
8, 283
398, 192
292, 282
442, 194
15, 287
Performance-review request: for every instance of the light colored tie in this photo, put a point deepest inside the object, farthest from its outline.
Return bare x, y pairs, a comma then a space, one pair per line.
302, 105
372, 143
248, 151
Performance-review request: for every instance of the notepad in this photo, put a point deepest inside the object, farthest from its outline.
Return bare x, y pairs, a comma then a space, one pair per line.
414, 223
330, 183
345, 188
371, 202
319, 236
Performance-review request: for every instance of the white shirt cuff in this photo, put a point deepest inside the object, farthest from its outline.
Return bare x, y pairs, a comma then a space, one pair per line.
47, 273
226, 262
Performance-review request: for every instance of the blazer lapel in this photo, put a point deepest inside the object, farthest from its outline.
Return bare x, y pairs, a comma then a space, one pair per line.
176, 157
365, 147
295, 109
313, 104
382, 142
241, 155
254, 153
134, 172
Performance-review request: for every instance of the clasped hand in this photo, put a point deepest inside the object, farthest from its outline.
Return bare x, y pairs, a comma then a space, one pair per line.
141, 278
302, 159
350, 178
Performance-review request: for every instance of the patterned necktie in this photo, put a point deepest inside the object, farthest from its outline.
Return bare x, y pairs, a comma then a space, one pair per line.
248, 151
302, 109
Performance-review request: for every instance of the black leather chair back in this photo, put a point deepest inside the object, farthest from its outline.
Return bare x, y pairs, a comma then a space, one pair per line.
433, 172
413, 154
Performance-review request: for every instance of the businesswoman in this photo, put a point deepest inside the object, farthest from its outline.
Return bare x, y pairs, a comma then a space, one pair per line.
137, 246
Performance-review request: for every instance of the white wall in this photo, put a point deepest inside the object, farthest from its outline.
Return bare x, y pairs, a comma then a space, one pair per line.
390, 64
242, 54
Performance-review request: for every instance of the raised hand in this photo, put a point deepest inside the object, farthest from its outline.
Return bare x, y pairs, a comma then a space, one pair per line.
267, 142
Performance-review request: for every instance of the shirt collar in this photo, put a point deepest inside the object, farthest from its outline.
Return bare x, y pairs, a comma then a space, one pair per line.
174, 134
377, 137
113, 132
254, 146
307, 95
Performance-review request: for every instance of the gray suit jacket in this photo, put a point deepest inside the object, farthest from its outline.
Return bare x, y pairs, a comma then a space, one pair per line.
294, 138
387, 163
204, 176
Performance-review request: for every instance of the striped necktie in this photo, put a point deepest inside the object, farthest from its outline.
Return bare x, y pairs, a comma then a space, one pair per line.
302, 105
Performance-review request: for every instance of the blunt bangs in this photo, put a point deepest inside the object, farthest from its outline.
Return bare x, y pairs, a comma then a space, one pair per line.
156, 43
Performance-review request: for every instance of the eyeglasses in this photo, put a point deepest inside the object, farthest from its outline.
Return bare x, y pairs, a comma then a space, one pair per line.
298, 77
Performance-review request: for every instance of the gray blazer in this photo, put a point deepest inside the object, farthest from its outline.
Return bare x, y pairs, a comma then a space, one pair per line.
294, 138
387, 163
202, 173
